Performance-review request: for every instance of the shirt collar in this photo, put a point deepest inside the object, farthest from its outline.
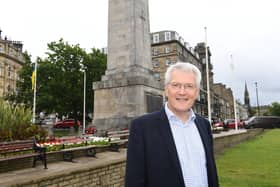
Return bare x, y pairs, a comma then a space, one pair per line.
171, 115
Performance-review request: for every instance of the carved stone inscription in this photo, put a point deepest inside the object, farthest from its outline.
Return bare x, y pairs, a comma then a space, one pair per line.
153, 102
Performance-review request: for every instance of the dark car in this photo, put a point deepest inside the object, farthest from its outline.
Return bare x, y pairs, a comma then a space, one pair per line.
263, 122
67, 123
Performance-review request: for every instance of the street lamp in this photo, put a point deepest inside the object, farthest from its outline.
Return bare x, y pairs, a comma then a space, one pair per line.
207, 78
83, 69
257, 98
234, 101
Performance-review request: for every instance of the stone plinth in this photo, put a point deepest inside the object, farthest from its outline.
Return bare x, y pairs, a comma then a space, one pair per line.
118, 101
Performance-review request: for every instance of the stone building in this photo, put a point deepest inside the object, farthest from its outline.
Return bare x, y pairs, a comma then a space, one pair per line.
241, 110
11, 60
225, 100
168, 47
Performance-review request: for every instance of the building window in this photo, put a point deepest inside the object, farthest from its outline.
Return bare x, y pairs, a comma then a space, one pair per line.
9, 71
156, 38
156, 64
167, 36
1, 48
203, 60
11, 52
155, 51
177, 36
157, 75
181, 40
167, 49
167, 62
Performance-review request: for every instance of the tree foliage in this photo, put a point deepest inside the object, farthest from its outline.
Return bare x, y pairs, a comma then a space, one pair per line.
274, 109
60, 79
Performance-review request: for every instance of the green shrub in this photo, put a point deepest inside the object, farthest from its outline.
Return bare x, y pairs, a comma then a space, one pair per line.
15, 123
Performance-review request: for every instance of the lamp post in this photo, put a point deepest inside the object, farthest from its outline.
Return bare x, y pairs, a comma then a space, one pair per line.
257, 98
207, 78
83, 69
234, 101
84, 116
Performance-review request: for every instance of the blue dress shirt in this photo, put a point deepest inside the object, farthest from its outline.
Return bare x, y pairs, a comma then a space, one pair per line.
189, 148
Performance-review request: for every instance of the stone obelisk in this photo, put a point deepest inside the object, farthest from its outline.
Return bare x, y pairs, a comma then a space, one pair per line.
128, 89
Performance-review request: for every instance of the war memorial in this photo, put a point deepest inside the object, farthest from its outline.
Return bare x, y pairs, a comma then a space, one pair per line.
128, 89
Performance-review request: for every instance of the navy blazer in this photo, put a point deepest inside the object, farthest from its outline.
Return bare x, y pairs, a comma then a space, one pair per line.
152, 159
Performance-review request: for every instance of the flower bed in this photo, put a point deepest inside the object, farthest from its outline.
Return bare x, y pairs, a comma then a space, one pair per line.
57, 144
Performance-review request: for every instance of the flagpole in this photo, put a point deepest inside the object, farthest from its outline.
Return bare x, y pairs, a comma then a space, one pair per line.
234, 101
207, 79
34, 93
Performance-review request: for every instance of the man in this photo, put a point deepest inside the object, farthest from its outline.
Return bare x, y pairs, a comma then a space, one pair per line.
173, 147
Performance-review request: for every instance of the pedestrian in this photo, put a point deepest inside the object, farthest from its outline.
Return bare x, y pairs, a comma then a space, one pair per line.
173, 147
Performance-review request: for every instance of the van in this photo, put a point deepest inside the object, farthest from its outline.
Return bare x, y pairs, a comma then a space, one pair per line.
263, 122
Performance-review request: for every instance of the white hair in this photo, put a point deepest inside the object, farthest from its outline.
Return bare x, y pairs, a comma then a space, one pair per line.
186, 67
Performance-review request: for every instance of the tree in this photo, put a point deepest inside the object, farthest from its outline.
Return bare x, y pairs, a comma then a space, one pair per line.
60, 79
274, 109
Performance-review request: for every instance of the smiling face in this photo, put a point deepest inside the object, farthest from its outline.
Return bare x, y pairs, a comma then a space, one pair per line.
181, 92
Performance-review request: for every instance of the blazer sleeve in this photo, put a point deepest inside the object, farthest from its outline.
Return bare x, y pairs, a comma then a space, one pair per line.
135, 164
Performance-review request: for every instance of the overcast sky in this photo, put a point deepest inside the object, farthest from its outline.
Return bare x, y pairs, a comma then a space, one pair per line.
246, 29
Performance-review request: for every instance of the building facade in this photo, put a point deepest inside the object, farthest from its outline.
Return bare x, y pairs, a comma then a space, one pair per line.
225, 101
11, 60
168, 47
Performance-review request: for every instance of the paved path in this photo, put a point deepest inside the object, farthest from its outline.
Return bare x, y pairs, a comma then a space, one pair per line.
24, 175
230, 132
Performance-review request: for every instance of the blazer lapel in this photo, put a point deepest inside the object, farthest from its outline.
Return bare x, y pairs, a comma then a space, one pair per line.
166, 133
203, 133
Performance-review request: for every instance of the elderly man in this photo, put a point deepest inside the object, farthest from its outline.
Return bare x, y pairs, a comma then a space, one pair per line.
173, 147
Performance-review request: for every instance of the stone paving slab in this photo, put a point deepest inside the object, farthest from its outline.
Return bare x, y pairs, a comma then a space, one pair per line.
229, 132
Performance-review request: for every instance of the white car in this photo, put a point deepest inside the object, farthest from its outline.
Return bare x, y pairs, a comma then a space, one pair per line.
48, 121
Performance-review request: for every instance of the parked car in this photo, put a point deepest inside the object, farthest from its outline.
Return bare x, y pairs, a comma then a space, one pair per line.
90, 130
217, 124
48, 121
230, 124
67, 123
262, 122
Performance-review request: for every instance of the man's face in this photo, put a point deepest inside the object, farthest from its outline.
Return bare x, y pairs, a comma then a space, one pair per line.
181, 91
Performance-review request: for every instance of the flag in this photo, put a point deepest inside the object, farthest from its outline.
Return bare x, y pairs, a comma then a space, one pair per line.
33, 77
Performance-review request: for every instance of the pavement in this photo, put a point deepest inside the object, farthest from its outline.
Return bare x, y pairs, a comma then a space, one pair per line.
229, 132
55, 168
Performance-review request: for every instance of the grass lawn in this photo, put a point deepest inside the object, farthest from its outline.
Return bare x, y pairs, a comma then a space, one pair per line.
255, 163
